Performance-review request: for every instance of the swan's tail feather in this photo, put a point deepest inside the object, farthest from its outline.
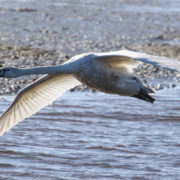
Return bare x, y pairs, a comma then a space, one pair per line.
143, 95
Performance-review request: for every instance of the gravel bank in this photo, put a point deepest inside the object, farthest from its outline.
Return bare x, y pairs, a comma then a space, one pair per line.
40, 33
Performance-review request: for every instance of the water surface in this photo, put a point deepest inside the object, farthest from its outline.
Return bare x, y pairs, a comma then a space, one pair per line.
96, 136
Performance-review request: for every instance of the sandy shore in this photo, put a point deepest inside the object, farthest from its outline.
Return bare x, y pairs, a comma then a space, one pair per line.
39, 33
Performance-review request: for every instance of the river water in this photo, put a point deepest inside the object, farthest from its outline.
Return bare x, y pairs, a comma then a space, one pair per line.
87, 135
91, 136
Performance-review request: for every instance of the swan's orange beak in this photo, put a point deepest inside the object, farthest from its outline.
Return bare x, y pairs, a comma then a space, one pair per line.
1, 72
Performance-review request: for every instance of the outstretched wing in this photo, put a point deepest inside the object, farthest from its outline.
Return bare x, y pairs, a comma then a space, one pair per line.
130, 59
161, 62
34, 97
123, 63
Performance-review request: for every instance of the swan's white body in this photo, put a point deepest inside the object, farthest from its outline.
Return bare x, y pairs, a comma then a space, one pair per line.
108, 72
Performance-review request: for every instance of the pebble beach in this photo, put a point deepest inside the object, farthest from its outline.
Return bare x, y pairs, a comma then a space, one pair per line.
43, 33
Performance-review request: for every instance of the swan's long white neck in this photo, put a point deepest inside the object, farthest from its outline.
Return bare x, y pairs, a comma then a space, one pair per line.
64, 69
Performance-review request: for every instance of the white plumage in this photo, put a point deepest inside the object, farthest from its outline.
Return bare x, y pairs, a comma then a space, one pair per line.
36, 96
108, 72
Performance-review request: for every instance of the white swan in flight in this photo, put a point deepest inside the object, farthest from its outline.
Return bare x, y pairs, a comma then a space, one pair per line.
107, 72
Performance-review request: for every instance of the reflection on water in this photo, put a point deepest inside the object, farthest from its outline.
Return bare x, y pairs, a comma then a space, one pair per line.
89, 136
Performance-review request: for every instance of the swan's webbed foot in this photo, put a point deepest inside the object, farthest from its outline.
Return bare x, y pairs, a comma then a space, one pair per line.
143, 95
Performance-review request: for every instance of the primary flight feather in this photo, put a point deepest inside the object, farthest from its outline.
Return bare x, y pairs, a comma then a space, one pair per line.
107, 72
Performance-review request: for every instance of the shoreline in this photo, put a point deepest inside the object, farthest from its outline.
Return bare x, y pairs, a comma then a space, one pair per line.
43, 33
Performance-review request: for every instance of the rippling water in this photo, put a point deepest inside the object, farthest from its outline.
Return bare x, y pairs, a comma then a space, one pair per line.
96, 136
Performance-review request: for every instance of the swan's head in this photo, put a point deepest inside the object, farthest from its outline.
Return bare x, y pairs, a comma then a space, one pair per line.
9, 72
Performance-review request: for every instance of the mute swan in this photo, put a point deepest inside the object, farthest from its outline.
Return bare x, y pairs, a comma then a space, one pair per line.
107, 72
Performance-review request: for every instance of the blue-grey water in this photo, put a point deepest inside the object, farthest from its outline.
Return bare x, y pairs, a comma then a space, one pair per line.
91, 136
87, 135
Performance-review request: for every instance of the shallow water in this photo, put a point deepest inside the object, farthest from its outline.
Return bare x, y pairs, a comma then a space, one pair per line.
96, 136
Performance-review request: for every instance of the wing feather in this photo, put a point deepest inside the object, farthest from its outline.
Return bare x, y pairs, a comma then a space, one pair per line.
130, 59
161, 62
35, 96
121, 62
